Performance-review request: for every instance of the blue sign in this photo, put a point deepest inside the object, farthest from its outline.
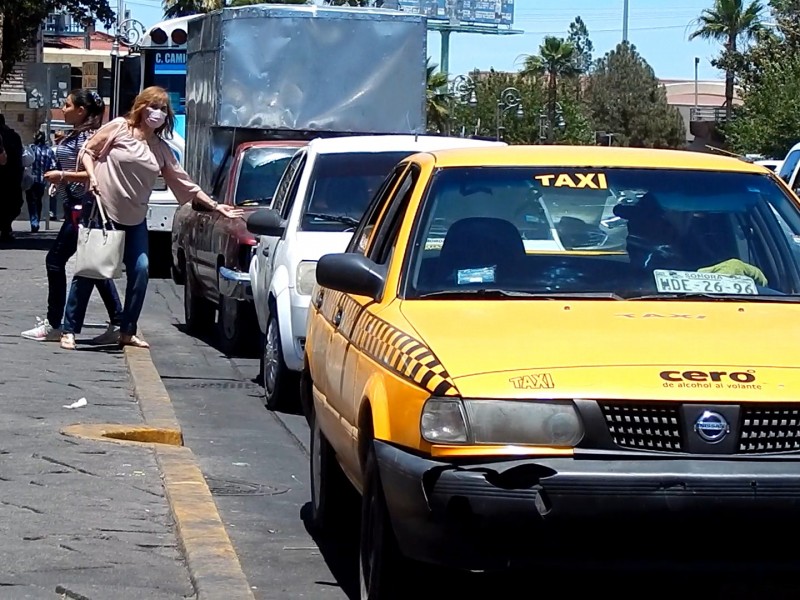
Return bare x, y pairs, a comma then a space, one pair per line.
481, 12
169, 62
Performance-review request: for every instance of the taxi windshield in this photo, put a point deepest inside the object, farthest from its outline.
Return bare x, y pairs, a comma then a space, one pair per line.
622, 233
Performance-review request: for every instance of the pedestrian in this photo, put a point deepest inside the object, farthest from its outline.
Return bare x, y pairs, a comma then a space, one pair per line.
44, 159
10, 181
58, 135
123, 161
83, 109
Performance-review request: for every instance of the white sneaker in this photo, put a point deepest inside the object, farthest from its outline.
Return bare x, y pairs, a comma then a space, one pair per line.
43, 332
108, 337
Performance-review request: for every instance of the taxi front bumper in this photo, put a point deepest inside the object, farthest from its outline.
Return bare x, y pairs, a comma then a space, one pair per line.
490, 514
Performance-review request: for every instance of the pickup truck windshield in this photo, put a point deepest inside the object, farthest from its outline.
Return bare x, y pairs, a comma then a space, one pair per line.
341, 187
259, 175
625, 233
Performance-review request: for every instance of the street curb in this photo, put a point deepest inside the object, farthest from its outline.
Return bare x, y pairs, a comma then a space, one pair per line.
214, 567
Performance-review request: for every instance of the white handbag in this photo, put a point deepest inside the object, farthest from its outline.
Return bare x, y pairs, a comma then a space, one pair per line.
100, 249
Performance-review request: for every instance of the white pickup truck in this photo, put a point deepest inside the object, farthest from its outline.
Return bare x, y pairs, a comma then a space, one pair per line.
319, 201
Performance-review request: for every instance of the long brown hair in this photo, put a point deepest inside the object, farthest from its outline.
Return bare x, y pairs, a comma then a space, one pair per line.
150, 96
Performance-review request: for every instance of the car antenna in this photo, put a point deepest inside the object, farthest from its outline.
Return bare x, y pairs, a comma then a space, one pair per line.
729, 153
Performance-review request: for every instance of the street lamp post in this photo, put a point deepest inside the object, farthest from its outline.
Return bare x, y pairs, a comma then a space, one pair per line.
508, 99
462, 91
128, 32
545, 124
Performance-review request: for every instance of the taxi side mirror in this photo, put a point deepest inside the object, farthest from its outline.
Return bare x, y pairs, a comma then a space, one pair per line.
266, 222
352, 274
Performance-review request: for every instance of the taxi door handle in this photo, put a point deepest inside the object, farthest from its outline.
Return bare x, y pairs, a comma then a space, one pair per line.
337, 318
265, 251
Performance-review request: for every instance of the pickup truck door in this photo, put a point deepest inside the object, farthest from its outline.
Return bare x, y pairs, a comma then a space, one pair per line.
284, 201
205, 224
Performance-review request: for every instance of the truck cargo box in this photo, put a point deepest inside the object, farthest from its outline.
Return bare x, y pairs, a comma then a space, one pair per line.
299, 71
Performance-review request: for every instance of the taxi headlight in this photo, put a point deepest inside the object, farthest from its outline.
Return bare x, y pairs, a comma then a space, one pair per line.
443, 421
306, 277
545, 423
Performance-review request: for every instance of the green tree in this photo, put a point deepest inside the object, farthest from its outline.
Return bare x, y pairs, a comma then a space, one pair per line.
182, 8
437, 99
768, 122
625, 98
578, 36
20, 20
556, 59
729, 22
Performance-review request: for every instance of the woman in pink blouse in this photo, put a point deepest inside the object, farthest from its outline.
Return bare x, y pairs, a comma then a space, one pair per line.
123, 160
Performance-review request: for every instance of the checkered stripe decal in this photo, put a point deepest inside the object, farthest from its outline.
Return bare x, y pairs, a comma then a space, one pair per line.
402, 354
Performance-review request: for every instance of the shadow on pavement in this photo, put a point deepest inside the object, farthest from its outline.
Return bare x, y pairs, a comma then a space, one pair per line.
340, 552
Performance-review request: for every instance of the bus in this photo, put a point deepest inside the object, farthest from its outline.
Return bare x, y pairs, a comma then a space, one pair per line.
163, 63
160, 60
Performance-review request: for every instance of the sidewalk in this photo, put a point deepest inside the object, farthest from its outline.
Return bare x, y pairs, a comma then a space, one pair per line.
83, 519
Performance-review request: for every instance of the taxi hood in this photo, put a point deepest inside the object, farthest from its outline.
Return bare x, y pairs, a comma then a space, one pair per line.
613, 349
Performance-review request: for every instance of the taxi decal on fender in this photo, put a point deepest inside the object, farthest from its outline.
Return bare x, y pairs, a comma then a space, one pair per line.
384, 343
403, 354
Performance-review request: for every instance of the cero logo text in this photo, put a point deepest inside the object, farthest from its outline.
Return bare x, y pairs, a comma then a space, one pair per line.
703, 376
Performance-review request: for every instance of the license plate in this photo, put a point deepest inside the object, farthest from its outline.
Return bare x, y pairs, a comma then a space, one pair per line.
691, 282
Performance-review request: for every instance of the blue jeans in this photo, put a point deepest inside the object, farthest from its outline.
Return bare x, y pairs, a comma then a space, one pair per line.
34, 197
137, 271
61, 251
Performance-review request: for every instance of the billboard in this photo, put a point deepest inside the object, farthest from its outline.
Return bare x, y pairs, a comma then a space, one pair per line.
479, 12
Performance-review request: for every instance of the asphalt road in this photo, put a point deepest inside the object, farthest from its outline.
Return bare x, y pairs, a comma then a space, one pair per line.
256, 463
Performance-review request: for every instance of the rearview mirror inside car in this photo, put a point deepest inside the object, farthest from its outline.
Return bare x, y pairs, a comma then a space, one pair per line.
266, 222
352, 274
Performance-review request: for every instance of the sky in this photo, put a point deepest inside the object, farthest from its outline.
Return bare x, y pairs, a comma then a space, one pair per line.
660, 34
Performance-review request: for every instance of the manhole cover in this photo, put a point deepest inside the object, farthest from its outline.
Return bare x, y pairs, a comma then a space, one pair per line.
235, 487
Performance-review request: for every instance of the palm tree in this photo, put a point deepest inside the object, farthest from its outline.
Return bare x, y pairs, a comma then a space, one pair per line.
728, 22
556, 59
436, 98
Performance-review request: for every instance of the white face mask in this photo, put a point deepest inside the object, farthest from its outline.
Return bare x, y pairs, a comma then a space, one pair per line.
155, 117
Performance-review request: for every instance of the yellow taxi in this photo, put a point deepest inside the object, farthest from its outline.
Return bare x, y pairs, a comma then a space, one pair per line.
526, 336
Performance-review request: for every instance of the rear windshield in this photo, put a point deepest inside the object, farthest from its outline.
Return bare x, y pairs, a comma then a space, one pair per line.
341, 187
615, 232
259, 175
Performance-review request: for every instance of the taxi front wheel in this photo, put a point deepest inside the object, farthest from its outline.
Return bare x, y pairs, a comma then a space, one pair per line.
382, 568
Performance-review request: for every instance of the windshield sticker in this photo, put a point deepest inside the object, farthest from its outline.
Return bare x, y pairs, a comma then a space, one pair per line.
534, 381
690, 282
434, 243
482, 275
591, 181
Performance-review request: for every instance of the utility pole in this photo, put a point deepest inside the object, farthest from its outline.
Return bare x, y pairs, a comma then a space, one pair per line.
625, 21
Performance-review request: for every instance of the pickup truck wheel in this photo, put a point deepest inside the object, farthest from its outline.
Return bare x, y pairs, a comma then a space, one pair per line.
382, 568
332, 496
197, 311
279, 382
235, 327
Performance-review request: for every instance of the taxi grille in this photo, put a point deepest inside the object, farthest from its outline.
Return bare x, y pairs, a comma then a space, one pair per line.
644, 426
770, 429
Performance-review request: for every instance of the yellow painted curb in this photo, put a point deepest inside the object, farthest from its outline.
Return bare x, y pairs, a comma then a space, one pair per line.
213, 564
214, 567
124, 433
154, 401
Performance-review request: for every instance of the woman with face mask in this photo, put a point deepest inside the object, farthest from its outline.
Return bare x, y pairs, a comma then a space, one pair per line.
123, 160
83, 111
